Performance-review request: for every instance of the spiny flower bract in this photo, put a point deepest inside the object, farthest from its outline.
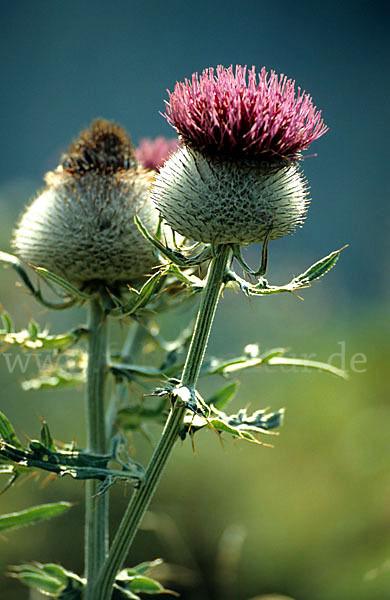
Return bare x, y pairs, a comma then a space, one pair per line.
219, 201
81, 225
243, 113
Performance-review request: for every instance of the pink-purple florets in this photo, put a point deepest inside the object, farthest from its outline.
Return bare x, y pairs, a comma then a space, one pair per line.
153, 153
244, 114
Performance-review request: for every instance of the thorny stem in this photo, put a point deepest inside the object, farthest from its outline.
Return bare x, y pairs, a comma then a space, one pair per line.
141, 498
96, 508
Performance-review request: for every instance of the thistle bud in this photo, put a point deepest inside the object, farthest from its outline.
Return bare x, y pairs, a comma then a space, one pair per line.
236, 178
221, 200
81, 225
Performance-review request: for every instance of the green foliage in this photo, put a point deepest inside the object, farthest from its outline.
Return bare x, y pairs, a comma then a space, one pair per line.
7, 432
129, 583
240, 425
20, 268
34, 339
51, 580
62, 283
272, 358
57, 582
45, 455
183, 256
8, 436
33, 515
168, 286
262, 288
137, 300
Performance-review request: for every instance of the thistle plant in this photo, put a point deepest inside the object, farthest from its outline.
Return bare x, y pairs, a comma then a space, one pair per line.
236, 179
103, 233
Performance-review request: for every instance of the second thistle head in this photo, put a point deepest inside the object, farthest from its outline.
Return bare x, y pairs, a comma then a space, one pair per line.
152, 153
236, 177
81, 225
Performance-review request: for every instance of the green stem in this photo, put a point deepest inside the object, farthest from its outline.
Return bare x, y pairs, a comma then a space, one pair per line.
141, 498
130, 352
96, 509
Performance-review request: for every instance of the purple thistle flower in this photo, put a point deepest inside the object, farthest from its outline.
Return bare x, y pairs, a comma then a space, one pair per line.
236, 178
153, 153
244, 114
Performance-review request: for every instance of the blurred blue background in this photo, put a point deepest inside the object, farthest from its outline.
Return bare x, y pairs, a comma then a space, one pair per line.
316, 508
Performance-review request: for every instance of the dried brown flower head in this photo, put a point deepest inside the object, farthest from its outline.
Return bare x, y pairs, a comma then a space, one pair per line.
81, 225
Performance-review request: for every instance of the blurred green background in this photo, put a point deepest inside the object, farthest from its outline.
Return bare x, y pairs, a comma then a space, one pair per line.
310, 518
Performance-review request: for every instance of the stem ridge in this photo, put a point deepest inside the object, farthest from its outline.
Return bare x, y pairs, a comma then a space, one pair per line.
96, 509
142, 497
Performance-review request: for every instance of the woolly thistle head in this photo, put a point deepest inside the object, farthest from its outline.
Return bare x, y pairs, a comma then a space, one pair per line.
81, 225
152, 154
237, 176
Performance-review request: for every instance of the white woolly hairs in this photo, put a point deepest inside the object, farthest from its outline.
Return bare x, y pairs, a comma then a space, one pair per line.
83, 228
220, 200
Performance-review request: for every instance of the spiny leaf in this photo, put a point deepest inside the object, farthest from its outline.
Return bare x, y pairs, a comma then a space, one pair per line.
77, 464
314, 272
141, 568
19, 267
7, 321
145, 585
33, 515
306, 363
50, 579
174, 255
190, 280
134, 581
33, 339
33, 330
62, 283
46, 438
17, 264
236, 364
320, 268
44, 583
139, 299
273, 358
57, 571
7, 432
240, 425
